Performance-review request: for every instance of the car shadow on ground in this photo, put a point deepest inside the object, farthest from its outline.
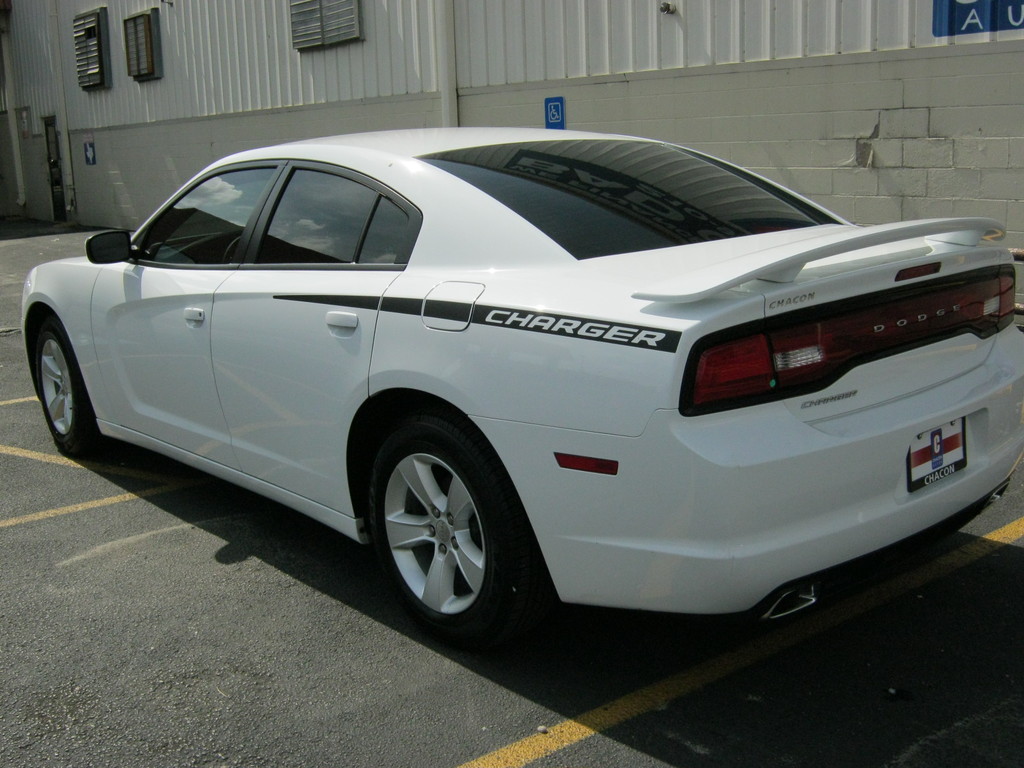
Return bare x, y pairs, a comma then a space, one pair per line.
869, 687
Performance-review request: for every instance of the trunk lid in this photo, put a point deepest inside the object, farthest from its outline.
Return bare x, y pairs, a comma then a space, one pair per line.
850, 316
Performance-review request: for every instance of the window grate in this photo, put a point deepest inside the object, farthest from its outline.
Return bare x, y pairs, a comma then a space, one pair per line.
142, 45
318, 23
92, 57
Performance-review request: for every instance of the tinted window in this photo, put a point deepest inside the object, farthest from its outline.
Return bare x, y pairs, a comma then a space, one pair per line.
319, 220
596, 197
204, 226
390, 236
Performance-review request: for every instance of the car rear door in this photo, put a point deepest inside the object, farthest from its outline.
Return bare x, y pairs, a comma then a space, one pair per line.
294, 326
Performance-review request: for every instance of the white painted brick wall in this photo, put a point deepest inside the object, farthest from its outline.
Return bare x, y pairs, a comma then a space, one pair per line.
1002, 185
981, 153
928, 153
1015, 216
877, 137
954, 183
903, 123
902, 182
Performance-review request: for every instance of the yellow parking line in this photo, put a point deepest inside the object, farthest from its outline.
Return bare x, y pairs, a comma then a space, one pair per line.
109, 469
49, 458
661, 693
108, 501
19, 400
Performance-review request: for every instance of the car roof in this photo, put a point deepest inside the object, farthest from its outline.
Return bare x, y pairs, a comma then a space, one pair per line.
415, 142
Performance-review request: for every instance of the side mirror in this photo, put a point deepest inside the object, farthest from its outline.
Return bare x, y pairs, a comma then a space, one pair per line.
109, 247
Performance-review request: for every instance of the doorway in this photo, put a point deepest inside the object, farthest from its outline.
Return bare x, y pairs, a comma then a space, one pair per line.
56, 175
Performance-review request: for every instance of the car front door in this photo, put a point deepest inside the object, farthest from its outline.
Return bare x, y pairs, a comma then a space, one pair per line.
152, 316
294, 327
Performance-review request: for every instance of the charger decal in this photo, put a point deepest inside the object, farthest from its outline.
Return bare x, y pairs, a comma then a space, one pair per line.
579, 327
586, 328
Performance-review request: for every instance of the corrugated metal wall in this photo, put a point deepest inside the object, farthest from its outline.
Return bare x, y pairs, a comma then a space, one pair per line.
223, 57
514, 41
33, 49
231, 56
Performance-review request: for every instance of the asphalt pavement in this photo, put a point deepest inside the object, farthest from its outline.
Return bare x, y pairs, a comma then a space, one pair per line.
25, 243
153, 616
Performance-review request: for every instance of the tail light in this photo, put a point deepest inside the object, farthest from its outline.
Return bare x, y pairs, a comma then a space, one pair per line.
808, 350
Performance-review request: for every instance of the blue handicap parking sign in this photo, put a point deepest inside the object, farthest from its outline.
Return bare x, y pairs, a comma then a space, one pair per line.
554, 112
90, 153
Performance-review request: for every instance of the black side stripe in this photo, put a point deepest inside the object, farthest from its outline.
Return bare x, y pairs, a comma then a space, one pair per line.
402, 306
448, 310
583, 328
435, 308
353, 302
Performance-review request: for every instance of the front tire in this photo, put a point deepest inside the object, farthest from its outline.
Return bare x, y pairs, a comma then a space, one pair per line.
61, 390
452, 534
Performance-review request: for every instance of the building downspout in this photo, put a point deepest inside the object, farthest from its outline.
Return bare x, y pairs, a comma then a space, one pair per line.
63, 127
12, 118
444, 44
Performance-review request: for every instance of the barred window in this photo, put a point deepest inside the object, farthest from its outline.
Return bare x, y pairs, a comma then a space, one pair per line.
92, 54
316, 23
142, 45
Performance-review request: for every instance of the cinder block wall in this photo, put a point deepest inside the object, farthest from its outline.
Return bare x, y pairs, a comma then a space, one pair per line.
876, 137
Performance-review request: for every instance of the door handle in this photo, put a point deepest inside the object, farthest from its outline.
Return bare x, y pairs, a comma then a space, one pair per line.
194, 315
336, 319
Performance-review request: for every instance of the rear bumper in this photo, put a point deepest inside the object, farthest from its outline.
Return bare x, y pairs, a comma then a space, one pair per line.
713, 514
835, 581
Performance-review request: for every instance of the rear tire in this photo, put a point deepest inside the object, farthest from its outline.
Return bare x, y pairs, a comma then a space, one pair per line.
61, 390
452, 534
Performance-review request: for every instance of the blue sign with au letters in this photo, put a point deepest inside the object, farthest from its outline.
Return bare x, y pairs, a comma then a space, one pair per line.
968, 17
554, 112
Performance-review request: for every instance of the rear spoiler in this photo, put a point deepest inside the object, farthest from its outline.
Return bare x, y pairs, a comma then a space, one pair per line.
782, 263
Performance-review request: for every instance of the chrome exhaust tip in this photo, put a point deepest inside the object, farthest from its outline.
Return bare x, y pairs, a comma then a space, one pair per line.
997, 494
793, 599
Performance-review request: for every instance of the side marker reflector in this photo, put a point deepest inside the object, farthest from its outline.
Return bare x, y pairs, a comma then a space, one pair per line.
587, 464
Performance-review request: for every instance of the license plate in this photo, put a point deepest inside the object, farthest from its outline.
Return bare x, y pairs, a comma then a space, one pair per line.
936, 454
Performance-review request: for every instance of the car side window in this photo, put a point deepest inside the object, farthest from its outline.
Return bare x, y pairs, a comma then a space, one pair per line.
320, 219
390, 236
205, 225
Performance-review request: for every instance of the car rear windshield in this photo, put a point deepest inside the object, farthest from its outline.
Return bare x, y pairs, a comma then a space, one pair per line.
600, 197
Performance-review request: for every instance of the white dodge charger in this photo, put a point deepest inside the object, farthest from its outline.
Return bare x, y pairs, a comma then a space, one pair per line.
527, 364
